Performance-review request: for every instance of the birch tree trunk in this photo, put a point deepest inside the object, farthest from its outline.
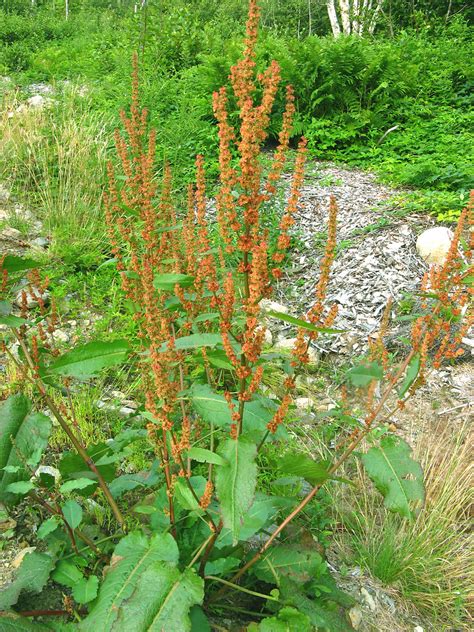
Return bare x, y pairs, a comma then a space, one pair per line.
353, 16
333, 19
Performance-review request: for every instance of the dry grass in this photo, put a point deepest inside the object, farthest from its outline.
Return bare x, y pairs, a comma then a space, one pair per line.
429, 561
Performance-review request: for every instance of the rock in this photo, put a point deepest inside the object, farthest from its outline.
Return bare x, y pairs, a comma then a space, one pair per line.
4, 194
433, 244
273, 306
19, 558
60, 336
369, 600
355, 615
38, 101
50, 470
11, 233
289, 343
303, 403
418, 628
125, 411
32, 296
40, 242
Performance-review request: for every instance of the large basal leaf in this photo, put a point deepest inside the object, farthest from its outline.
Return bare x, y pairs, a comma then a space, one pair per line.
13, 622
323, 614
143, 589
287, 620
298, 563
87, 360
396, 475
236, 481
31, 576
23, 438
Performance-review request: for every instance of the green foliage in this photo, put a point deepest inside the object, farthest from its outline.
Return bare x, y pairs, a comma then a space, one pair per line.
144, 590
23, 438
31, 576
236, 481
89, 359
396, 475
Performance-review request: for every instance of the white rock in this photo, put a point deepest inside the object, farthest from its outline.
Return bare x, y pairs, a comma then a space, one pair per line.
433, 244
355, 615
418, 628
272, 306
11, 233
303, 403
31, 297
48, 469
289, 343
37, 101
4, 193
19, 558
369, 600
60, 336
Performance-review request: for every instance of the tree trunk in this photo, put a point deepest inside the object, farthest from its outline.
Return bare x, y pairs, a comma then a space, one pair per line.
336, 29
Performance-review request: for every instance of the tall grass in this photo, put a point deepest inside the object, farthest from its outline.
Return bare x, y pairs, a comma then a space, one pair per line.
429, 560
53, 158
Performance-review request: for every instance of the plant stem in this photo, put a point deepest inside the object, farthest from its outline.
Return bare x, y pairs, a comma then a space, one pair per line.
241, 588
72, 437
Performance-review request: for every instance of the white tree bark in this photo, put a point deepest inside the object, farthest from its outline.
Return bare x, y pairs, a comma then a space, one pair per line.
353, 16
333, 19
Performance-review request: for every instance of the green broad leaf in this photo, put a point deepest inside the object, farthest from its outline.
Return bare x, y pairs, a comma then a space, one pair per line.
73, 513
302, 323
77, 483
31, 576
85, 590
127, 482
396, 475
184, 496
298, 563
236, 481
47, 527
323, 615
194, 341
144, 509
315, 472
169, 281
67, 574
205, 456
87, 360
144, 590
222, 566
5, 308
23, 438
12, 263
12, 321
363, 374
72, 465
203, 318
413, 369
20, 487
213, 408
199, 621
287, 620
12, 622
218, 358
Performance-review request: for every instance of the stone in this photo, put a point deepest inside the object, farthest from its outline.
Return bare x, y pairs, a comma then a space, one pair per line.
433, 244
303, 403
40, 242
418, 628
369, 600
4, 194
60, 336
272, 306
19, 558
355, 615
50, 470
11, 233
37, 101
32, 295
289, 343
